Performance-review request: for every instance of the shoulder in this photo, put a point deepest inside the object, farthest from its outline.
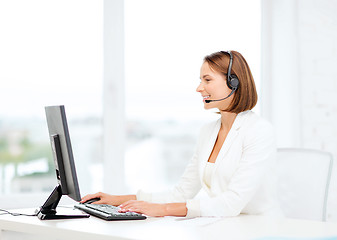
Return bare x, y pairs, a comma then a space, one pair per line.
252, 121
209, 127
256, 127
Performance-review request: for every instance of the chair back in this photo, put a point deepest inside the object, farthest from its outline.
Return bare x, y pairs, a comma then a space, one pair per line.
303, 184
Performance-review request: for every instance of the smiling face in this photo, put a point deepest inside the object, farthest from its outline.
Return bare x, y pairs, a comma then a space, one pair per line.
213, 86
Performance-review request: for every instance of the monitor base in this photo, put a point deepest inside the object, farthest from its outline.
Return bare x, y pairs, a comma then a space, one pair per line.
43, 216
48, 209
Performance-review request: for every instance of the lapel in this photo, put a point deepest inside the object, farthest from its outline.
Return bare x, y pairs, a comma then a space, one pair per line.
232, 134
209, 144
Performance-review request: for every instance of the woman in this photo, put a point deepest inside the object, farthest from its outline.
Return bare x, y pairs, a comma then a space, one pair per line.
234, 157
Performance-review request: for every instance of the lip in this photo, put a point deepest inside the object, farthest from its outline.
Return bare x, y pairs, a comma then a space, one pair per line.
205, 97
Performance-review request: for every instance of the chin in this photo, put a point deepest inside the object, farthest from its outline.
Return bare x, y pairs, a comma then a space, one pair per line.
207, 106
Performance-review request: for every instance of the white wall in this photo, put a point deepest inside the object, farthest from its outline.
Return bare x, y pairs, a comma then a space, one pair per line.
299, 76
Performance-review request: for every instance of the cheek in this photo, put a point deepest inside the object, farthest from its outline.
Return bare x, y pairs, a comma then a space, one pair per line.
211, 88
218, 90
224, 88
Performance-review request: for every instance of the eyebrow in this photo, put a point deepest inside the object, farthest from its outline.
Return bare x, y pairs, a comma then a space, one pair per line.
206, 75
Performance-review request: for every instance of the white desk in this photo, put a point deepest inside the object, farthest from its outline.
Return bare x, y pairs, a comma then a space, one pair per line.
241, 227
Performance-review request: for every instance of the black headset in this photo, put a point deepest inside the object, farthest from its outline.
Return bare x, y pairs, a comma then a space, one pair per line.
232, 79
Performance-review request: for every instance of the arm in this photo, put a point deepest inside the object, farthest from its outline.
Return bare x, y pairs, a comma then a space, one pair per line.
108, 199
155, 209
188, 187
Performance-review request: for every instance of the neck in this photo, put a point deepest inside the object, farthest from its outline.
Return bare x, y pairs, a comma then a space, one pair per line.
227, 120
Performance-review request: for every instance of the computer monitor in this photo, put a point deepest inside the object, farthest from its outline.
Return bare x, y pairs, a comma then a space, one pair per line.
64, 165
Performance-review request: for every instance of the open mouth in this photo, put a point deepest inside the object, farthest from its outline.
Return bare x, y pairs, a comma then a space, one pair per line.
206, 97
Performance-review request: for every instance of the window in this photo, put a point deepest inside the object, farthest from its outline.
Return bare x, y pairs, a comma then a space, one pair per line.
51, 54
165, 42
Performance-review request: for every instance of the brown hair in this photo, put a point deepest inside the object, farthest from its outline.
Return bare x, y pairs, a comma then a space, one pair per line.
245, 97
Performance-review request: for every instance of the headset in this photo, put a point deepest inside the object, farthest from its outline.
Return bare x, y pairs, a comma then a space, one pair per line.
232, 79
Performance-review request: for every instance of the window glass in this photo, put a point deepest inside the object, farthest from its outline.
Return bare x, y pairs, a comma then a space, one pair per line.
51, 54
165, 42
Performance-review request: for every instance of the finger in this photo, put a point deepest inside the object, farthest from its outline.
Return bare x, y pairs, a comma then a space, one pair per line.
131, 205
86, 198
127, 203
125, 207
137, 210
122, 210
101, 201
90, 196
130, 209
130, 202
134, 206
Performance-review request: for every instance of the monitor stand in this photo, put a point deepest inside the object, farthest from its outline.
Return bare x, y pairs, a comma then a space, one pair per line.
48, 209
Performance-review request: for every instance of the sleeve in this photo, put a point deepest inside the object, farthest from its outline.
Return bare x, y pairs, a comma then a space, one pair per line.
257, 157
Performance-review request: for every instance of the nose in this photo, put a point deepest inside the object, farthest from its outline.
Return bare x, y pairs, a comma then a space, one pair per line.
200, 87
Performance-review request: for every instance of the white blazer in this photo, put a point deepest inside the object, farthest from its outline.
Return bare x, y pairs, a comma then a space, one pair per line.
243, 178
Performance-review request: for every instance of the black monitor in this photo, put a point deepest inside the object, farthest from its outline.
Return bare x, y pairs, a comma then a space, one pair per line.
64, 165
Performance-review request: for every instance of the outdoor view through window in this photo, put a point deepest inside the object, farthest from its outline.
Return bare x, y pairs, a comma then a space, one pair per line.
52, 54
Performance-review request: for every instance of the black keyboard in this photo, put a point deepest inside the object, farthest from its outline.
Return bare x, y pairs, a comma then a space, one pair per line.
108, 212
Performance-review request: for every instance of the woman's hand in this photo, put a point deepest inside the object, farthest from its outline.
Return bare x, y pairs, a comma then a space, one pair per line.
149, 209
105, 198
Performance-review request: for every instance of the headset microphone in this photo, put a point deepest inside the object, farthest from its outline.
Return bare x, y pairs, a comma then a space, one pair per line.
208, 101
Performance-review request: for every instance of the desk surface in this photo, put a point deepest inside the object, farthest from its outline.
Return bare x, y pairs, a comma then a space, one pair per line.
241, 227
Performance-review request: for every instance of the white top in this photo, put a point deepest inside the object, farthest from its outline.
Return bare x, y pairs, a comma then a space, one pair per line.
208, 174
243, 179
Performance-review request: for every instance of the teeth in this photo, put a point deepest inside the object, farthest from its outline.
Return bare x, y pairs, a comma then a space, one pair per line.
206, 97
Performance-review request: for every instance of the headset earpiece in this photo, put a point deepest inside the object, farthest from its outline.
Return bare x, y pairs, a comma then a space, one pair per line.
233, 82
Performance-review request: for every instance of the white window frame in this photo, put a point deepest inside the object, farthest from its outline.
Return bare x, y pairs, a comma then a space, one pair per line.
113, 97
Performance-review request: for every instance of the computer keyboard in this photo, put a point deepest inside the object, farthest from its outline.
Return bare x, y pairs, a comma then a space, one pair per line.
108, 212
